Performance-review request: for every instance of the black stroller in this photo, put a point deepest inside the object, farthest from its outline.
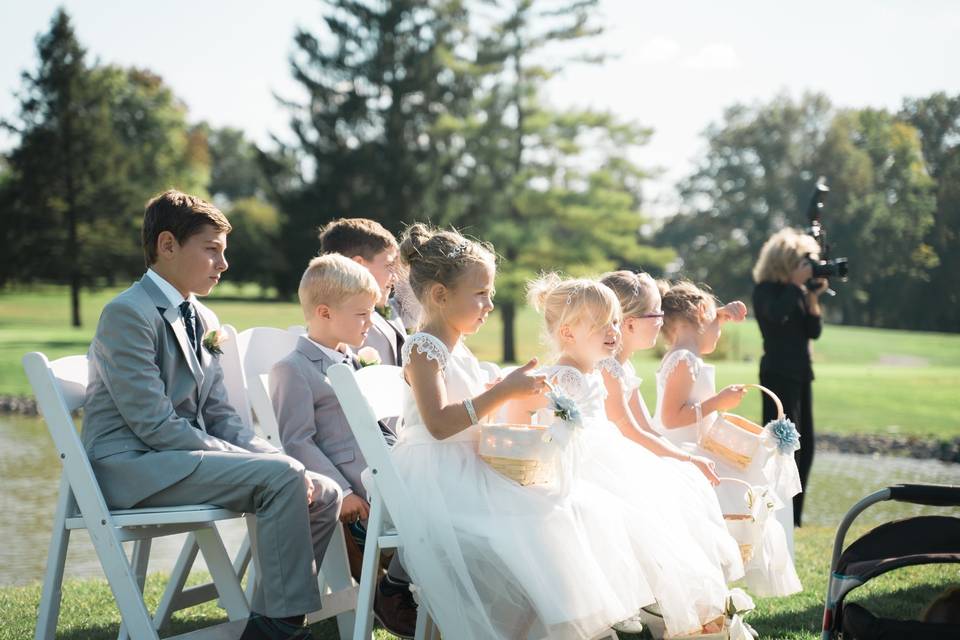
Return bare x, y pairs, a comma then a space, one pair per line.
902, 543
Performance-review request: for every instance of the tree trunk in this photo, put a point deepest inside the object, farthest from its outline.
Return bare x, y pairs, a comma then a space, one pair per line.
508, 313
73, 255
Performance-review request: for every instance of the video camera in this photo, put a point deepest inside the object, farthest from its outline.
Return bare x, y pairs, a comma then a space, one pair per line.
825, 266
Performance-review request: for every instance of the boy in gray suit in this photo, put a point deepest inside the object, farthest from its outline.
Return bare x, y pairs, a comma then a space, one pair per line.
370, 245
338, 298
158, 428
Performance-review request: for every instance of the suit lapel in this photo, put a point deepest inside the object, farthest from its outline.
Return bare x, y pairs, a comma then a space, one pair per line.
206, 361
388, 331
172, 316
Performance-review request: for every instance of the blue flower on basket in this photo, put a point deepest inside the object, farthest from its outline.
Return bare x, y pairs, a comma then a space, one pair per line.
784, 434
564, 408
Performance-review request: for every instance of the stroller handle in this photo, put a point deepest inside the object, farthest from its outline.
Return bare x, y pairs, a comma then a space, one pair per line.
934, 495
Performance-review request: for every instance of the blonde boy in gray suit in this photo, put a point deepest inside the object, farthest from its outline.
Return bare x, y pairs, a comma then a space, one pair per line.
338, 297
158, 428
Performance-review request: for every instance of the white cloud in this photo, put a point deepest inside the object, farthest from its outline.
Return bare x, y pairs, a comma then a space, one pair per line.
716, 56
657, 49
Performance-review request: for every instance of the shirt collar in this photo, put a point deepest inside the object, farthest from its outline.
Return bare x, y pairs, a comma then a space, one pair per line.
169, 291
336, 356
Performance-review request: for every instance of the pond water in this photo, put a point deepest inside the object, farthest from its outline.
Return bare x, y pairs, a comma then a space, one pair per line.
30, 475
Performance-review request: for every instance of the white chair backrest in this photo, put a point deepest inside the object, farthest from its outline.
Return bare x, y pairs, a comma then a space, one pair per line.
59, 387
231, 361
383, 387
363, 422
297, 329
492, 370
261, 348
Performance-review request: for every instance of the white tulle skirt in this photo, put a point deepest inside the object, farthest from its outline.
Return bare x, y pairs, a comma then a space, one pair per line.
497, 560
677, 531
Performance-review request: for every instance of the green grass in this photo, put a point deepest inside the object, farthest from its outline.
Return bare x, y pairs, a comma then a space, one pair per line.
868, 380
89, 613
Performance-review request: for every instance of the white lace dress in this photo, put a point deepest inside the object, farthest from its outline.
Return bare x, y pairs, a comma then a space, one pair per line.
770, 572
497, 560
677, 533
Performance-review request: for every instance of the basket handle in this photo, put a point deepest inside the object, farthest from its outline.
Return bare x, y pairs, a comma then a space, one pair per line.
773, 396
737, 480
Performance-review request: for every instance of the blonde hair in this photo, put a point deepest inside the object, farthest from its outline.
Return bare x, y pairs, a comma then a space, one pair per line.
684, 302
781, 254
435, 256
572, 301
330, 279
633, 289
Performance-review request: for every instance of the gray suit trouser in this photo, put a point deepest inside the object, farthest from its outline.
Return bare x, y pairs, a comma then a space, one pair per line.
272, 487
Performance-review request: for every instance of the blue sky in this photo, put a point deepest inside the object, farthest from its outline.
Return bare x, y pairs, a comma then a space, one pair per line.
675, 67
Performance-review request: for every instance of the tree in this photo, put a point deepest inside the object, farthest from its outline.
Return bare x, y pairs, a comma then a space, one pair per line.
379, 81
63, 121
235, 171
254, 251
937, 118
550, 189
756, 177
95, 142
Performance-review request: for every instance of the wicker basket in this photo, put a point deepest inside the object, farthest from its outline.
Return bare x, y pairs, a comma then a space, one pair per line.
521, 452
743, 527
733, 437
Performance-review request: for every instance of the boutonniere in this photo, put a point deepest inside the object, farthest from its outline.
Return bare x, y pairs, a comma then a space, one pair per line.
386, 311
368, 356
213, 341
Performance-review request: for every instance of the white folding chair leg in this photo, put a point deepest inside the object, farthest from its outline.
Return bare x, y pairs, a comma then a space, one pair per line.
363, 628
51, 595
178, 578
335, 574
140, 560
221, 569
123, 581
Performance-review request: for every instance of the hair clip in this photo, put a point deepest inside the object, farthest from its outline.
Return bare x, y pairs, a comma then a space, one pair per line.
569, 298
457, 250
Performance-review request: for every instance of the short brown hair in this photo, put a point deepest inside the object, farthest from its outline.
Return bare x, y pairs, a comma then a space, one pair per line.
356, 237
182, 215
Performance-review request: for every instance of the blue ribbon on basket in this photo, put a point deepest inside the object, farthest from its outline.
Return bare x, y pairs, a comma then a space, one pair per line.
784, 434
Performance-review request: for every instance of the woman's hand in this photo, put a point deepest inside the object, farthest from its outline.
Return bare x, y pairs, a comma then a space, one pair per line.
707, 467
730, 397
520, 383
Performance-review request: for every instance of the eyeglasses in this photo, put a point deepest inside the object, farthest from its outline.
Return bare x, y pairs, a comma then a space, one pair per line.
652, 315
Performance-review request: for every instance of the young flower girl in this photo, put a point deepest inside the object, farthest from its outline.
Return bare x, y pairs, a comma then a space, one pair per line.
497, 559
687, 401
680, 542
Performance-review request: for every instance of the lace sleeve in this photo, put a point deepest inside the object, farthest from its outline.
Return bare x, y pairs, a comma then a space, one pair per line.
676, 357
428, 345
568, 381
614, 368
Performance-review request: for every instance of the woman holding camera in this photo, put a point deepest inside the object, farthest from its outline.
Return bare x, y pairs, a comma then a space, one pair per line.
786, 302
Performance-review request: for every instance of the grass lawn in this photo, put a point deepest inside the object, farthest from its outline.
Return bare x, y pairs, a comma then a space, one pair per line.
868, 380
88, 611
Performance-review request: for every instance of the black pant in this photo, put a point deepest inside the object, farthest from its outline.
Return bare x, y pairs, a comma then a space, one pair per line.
797, 399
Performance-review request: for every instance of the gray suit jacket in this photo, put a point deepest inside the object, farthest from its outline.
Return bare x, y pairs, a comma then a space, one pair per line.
386, 336
152, 407
313, 427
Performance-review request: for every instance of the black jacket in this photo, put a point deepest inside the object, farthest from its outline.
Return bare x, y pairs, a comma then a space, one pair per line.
787, 327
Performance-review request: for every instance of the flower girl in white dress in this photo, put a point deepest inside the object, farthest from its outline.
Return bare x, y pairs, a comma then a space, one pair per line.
679, 539
495, 559
687, 399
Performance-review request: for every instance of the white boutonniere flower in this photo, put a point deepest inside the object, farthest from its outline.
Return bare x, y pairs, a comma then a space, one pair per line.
368, 356
213, 341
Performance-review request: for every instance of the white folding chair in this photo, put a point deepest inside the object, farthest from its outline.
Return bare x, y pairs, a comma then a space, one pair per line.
59, 388
370, 394
260, 349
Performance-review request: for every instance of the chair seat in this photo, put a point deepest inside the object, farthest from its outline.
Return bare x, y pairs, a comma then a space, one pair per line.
155, 516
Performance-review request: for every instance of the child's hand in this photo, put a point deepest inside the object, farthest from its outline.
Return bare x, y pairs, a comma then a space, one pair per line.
734, 311
730, 397
521, 383
354, 509
493, 383
707, 468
